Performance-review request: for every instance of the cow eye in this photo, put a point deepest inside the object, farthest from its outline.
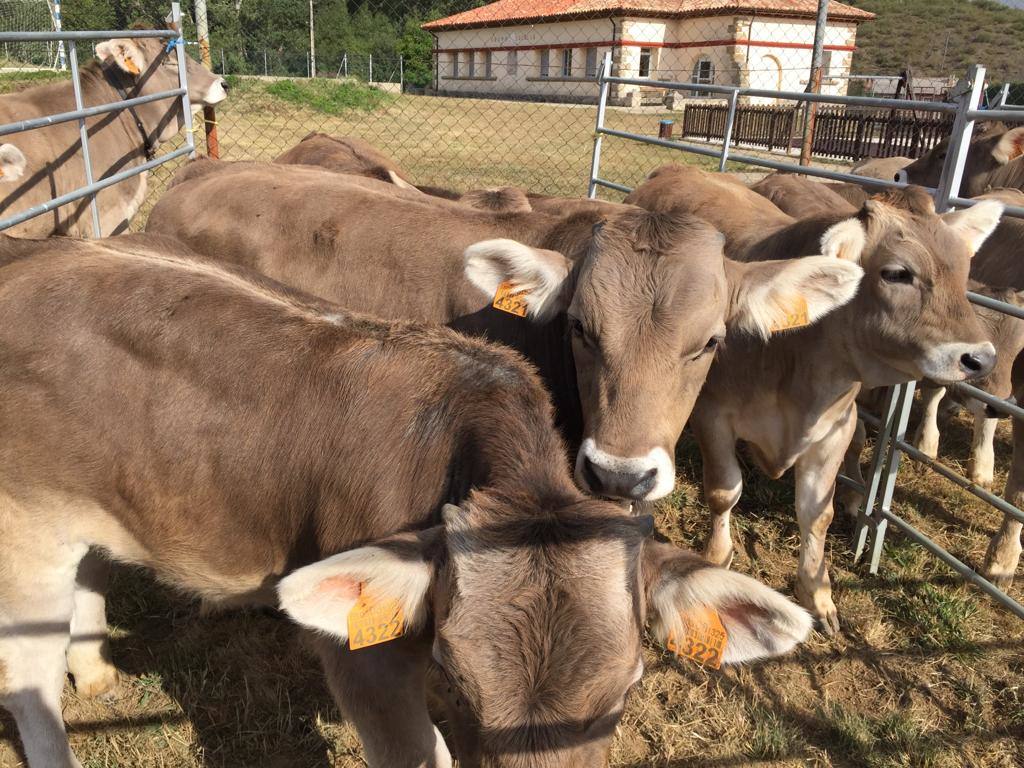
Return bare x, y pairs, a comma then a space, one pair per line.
578, 332
897, 275
709, 348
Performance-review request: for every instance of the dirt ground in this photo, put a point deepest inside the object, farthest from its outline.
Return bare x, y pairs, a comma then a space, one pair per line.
927, 672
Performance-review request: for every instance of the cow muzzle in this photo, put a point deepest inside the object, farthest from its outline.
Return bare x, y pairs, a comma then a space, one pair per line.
639, 478
950, 363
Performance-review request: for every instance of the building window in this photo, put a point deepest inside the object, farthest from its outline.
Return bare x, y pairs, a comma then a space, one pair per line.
471, 64
512, 62
591, 62
545, 61
704, 72
567, 62
645, 61
455, 64
487, 63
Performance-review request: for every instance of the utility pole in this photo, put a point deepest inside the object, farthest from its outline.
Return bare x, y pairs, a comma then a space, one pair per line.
312, 43
209, 114
814, 82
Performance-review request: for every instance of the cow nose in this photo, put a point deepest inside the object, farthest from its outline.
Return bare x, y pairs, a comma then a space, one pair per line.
620, 485
978, 362
224, 84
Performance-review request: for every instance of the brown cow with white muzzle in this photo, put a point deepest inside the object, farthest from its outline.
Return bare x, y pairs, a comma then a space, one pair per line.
792, 398
380, 483
622, 313
995, 160
125, 68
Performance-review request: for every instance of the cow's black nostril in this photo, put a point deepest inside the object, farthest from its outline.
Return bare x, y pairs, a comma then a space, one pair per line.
971, 362
590, 475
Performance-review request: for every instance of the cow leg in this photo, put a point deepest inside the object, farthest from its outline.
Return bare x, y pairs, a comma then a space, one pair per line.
37, 581
983, 457
815, 483
1004, 550
723, 483
381, 690
850, 499
928, 430
89, 653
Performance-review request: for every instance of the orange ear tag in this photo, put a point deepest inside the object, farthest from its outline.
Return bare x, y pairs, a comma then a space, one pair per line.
796, 316
705, 638
373, 621
508, 300
130, 66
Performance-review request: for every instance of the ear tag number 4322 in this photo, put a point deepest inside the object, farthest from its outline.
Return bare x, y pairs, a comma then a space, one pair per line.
509, 300
705, 638
374, 620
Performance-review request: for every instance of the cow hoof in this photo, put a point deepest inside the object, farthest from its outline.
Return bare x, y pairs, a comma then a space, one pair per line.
1000, 576
983, 479
719, 556
96, 680
828, 624
928, 447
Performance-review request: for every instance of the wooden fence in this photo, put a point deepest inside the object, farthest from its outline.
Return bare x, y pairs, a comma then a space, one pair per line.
841, 134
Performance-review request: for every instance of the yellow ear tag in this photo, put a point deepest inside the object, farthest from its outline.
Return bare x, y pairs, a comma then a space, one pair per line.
508, 300
130, 66
705, 638
374, 620
796, 316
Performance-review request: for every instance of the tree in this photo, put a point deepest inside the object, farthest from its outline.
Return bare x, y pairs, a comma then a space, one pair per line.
416, 47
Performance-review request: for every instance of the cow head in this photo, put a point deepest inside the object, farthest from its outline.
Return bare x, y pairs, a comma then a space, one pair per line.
12, 163
538, 618
647, 306
1007, 336
989, 151
911, 318
146, 66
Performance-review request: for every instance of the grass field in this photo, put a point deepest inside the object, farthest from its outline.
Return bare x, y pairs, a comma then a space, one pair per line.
926, 672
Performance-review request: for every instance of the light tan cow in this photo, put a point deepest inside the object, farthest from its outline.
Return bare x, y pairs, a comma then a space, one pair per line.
12, 163
125, 68
885, 168
995, 160
254, 445
792, 398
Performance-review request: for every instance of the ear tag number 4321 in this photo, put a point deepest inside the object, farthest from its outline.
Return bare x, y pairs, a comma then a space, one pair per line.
374, 620
509, 300
704, 640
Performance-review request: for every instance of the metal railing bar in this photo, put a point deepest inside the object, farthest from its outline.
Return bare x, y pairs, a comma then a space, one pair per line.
612, 185
997, 403
104, 34
998, 306
78, 194
66, 117
976, 490
869, 418
851, 483
862, 101
716, 153
83, 137
1013, 115
808, 170
966, 202
960, 567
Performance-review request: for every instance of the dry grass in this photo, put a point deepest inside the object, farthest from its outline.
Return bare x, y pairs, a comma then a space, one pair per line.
927, 672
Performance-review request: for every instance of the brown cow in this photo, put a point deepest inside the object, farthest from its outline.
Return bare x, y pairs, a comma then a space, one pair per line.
792, 398
995, 159
320, 479
345, 154
800, 197
885, 168
12, 163
623, 313
126, 68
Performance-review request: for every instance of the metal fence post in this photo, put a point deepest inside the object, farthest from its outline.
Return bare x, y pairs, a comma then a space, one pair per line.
968, 96
58, 25
83, 133
186, 105
401, 73
209, 114
866, 521
730, 119
602, 105
370, 80
814, 82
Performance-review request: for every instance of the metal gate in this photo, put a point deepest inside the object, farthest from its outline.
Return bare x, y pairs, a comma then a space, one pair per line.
876, 513
80, 113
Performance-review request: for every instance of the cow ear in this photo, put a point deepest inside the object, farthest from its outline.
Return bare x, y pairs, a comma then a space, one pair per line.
976, 223
321, 596
771, 296
1010, 146
543, 275
845, 240
12, 163
125, 53
681, 586
399, 182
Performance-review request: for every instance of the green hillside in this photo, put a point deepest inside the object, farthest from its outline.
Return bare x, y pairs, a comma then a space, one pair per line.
940, 37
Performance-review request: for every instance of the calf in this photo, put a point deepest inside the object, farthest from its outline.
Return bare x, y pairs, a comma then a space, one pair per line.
792, 398
800, 197
12, 163
126, 68
252, 445
995, 159
886, 168
622, 313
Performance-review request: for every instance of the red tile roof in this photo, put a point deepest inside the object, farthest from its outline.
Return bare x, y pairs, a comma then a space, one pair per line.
506, 12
